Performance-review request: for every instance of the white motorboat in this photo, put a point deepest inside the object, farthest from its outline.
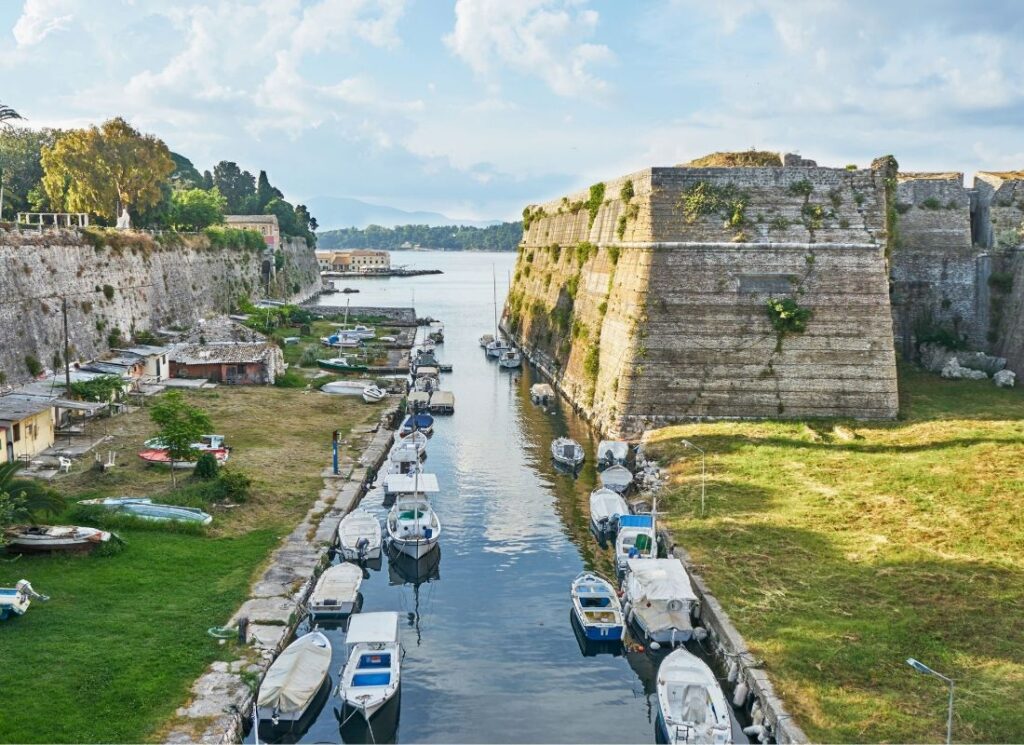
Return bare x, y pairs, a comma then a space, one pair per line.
358, 331
42, 538
359, 536
486, 339
419, 438
660, 600
404, 455
372, 675
597, 608
374, 393
542, 393
567, 452
14, 601
426, 384
616, 478
336, 592
691, 705
410, 483
341, 341
510, 359
294, 679
606, 507
413, 526
497, 348
637, 538
612, 453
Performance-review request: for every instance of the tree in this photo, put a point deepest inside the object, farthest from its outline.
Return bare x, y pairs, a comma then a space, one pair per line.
8, 114
207, 180
20, 166
265, 192
100, 169
195, 209
30, 497
185, 175
237, 186
180, 424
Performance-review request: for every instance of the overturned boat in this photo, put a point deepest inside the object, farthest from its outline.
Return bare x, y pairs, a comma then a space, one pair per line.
46, 538
294, 679
163, 458
359, 536
660, 600
147, 509
336, 592
691, 705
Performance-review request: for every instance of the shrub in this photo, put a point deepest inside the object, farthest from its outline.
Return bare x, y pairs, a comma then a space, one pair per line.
584, 250
626, 192
613, 254
572, 285
291, 379
1001, 281
108, 292
592, 362
206, 467
232, 486
801, 188
620, 228
33, 365
786, 316
931, 203
778, 222
707, 199
595, 201
103, 389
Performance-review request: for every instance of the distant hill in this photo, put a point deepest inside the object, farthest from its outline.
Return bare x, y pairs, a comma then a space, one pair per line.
345, 212
501, 237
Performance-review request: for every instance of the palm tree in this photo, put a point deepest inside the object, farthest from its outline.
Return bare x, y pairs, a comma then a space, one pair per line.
8, 114
38, 498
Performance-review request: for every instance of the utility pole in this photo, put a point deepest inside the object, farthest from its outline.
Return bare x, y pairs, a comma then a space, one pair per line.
67, 346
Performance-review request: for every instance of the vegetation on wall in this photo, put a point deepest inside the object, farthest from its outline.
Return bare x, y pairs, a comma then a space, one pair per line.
703, 199
594, 202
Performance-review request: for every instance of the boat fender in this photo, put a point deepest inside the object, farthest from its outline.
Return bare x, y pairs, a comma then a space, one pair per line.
756, 713
654, 645
734, 671
700, 633
739, 696
755, 730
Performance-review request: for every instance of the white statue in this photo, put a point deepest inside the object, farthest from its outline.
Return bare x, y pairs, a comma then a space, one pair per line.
124, 220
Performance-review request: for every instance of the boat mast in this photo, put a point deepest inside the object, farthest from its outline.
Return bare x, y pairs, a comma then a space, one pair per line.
494, 281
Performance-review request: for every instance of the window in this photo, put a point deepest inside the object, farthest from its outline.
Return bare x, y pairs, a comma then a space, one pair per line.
17, 432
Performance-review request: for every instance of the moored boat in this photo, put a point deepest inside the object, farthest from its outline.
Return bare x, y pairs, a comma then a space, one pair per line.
359, 536
660, 600
567, 452
497, 348
372, 675
636, 539
597, 608
606, 508
147, 509
616, 478
612, 453
691, 705
417, 423
374, 393
336, 591
486, 339
418, 438
294, 679
413, 526
542, 393
43, 538
510, 359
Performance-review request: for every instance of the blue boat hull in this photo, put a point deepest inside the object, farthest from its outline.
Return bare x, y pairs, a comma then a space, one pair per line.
603, 633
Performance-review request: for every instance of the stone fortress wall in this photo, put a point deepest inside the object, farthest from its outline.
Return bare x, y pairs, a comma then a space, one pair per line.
126, 282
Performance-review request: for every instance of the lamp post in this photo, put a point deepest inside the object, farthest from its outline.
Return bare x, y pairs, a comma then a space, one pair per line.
703, 474
923, 668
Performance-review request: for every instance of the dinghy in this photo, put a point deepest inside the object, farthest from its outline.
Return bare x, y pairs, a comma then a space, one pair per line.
606, 507
636, 539
147, 509
373, 393
418, 438
486, 339
336, 591
341, 341
14, 601
660, 600
417, 423
612, 453
404, 455
413, 526
510, 359
359, 536
616, 478
372, 675
597, 608
567, 452
42, 538
293, 680
542, 393
691, 705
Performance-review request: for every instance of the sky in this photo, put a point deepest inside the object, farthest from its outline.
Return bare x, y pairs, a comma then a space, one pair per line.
475, 108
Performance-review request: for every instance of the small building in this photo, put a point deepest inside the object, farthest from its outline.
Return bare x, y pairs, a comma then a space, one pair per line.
129, 367
154, 359
354, 260
26, 427
233, 363
265, 225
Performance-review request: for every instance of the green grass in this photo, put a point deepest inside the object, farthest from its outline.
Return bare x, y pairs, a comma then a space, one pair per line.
839, 550
115, 651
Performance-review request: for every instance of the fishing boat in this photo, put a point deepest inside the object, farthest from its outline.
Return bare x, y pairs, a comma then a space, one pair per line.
691, 705
14, 601
616, 478
510, 359
359, 536
606, 508
341, 341
294, 679
567, 452
660, 600
372, 675
426, 384
163, 458
486, 339
417, 423
147, 509
597, 608
342, 364
43, 538
336, 592
373, 394
612, 453
636, 539
413, 526
404, 455
542, 393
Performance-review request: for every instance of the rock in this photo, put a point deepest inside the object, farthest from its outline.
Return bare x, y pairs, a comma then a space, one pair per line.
954, 371
933, 357
1005, 378
981, 361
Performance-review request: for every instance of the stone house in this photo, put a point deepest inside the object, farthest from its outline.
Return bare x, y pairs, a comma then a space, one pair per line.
156, 366
234, 363
265, 225
26, 427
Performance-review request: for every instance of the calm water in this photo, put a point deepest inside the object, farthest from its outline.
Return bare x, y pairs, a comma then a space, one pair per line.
491, 655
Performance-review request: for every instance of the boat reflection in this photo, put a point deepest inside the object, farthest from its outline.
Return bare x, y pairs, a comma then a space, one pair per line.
382, 727
405, 570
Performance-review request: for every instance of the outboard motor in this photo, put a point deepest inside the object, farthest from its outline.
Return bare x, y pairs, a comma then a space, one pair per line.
361, 545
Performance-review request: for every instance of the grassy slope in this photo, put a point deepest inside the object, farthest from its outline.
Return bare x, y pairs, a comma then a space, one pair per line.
115, 651
841, 551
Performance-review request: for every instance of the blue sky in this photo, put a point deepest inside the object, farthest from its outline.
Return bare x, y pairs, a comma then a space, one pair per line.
476, 107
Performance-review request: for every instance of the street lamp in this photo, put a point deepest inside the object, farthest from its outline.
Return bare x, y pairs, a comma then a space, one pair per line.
703, 474
923, 668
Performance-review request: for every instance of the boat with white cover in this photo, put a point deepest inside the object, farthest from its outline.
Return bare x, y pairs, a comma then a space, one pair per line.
404, 455
510, 359
345, 387
636, 539
542, 393
691, 705
567, 452
413, 526
616, 478
42, 538
597, 608
359, 536
612, 453
486, 339
606, 508
147, 509
372, 675
374, 393
336, 592
14, 601
293, 680
660, 600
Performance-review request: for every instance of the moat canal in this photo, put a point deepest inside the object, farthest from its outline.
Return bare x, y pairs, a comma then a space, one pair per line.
491, 655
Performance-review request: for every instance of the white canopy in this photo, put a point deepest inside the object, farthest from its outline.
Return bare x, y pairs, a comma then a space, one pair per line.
372, 627
411, 483
424, 371
296, 675
658, 579
420, 398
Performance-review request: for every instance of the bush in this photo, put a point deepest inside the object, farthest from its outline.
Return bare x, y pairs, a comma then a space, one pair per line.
206, 467
33, 365
233, 486
613, 254
786, 316
931, 203
108, 292
291, 379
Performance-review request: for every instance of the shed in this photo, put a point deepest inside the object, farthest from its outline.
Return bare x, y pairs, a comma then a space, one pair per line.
238, 363
155, 359
28, 426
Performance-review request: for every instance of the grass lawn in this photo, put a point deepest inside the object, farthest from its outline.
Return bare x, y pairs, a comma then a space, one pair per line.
115, 651
841, 550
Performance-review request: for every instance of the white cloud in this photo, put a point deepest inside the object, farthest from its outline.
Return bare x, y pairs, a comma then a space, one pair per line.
544, 38
40, 18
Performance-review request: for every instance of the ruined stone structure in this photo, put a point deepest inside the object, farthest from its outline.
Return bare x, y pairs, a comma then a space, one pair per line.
122, 284
647, 298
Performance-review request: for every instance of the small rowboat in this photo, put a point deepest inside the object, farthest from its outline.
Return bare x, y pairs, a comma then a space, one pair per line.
597, 608
372, 675
43, 538
691, 705
14, 601
373, 393
417, 423
567, 452
617, 478
162, 457
147, 509
359, 536
606, 507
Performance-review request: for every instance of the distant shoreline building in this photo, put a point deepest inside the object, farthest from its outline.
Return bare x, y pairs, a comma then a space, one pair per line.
367, 261
265, 225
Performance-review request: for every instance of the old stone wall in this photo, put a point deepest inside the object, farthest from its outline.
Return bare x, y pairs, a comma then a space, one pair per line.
646, 297
115, 285
299, 278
